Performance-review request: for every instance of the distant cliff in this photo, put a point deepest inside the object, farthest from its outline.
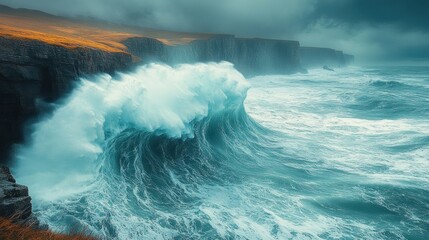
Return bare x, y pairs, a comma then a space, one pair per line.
349, 59
250, 56
32, 70
315, 57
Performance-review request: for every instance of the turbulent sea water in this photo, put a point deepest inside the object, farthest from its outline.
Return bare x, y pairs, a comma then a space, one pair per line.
199, 152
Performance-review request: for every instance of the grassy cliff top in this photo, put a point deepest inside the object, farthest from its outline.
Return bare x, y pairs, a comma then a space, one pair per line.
70, 33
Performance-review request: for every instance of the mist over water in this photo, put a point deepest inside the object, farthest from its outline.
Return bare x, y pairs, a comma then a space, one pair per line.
182, 153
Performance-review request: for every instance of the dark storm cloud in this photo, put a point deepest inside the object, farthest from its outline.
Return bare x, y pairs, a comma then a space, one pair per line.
403, 13
376, 30
245, 17
371, 29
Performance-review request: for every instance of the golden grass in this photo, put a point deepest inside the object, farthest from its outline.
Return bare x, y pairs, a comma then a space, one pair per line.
73, 34
12, 231
64, 41
62, 33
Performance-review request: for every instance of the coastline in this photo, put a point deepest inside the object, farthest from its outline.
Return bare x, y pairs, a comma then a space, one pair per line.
40, 69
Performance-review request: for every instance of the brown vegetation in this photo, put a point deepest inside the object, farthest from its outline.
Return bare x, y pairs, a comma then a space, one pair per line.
61, 32
24, 24
12, 231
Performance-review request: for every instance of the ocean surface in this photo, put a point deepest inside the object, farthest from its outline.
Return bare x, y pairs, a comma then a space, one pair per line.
200, 152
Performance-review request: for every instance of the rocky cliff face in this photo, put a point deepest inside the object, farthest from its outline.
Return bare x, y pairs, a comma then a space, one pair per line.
314, 57
14, 200
32, 70
250, 56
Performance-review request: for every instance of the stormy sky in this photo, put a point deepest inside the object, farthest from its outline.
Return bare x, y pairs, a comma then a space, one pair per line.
375, 31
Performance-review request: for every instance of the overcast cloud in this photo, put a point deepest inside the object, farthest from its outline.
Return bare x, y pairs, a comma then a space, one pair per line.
373, 30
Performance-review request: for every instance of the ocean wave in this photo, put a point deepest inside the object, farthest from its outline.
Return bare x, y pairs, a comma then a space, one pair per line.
383, 99
148, 146
171, 153
387, 84
156, 99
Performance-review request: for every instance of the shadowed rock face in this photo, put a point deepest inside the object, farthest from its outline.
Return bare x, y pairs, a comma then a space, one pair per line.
14, 200
250, 56
32, 70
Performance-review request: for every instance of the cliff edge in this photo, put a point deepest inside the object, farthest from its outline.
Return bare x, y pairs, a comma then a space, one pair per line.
33, 70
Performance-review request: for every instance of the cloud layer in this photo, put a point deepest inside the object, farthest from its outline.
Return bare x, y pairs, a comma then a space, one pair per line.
374, 30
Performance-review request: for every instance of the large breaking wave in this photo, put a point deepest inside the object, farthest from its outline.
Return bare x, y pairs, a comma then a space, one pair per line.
158, 100
171, 153
130, 155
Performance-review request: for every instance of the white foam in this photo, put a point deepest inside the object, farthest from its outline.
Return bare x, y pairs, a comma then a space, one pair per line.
310, 109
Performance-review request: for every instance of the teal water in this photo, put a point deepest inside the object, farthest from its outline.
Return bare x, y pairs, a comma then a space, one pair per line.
362, 135
199, 152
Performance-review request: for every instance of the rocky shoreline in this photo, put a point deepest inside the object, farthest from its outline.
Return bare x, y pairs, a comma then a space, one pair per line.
15, 202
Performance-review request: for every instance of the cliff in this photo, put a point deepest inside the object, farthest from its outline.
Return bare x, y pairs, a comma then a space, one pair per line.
314, 57
14, 200
250, 56
42, 55
33, 70
349, 59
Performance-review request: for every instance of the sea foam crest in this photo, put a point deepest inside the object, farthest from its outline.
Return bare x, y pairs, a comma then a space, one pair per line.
61, 158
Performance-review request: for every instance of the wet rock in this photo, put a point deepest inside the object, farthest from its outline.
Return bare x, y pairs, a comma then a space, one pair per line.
15, 203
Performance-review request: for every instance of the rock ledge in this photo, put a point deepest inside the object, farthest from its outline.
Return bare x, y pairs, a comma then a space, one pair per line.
15, 203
